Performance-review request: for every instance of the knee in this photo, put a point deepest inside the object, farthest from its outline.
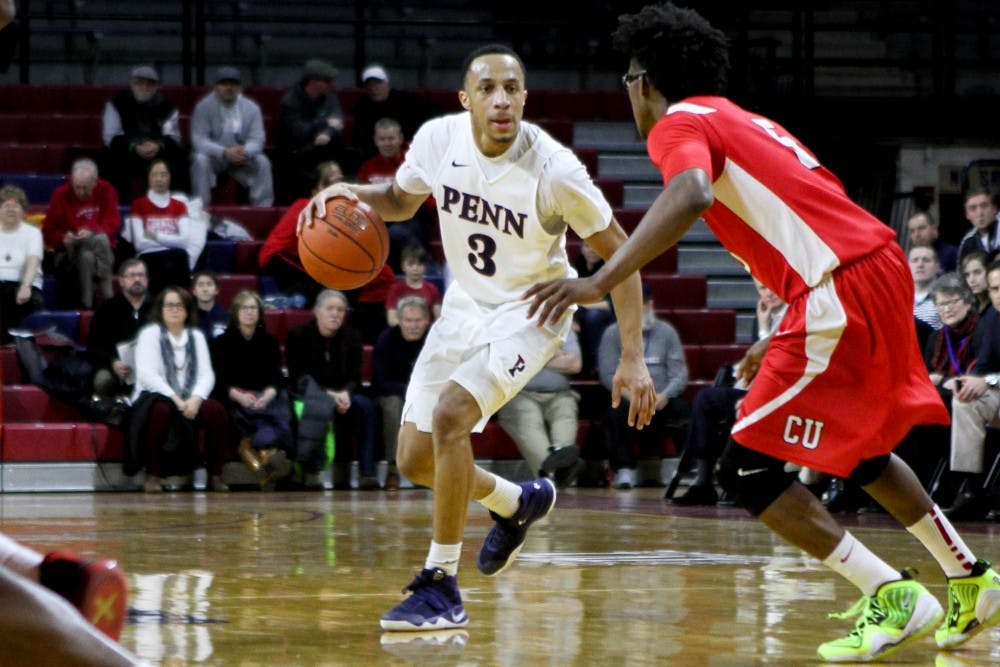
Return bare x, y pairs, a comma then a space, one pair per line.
456, 413
755, 480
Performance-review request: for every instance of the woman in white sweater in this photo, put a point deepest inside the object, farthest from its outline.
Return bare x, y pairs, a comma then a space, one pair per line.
174, 379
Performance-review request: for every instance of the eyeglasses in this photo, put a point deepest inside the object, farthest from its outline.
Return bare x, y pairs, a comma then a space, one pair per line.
951, 303
173, 305
249, 307
629, 77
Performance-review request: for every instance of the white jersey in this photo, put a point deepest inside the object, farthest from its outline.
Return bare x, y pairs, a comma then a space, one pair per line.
503, 219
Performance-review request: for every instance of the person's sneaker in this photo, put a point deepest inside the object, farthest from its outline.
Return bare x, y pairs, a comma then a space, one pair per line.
973, 605
697, 494
425, 646
505, 539
97, 588
898, 613
625, 478
435, 604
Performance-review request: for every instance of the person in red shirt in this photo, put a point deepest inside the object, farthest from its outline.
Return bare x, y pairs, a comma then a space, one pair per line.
842, 381
382, 169
81, 226
279, 256
412, 283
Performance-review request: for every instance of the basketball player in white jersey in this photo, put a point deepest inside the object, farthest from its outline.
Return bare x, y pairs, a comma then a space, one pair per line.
505, 192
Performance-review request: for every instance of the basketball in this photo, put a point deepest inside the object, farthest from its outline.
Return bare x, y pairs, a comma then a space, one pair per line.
345, 248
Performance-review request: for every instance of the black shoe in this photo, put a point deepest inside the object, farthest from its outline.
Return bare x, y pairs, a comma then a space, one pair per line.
559, 458
699, 494
567, 476
841, 498
968, 506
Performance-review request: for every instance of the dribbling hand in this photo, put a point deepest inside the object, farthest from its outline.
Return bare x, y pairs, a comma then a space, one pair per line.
316, 208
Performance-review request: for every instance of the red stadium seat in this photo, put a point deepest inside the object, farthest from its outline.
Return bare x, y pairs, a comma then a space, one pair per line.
259, 220
231, 284
702, 326
494, 443
23, 157
67, 441
63, 129
613, 189
86, 98
678, 291
246, 256
28, 403
10, 369
11, 128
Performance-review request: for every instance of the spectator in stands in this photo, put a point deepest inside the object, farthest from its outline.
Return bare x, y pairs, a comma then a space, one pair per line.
714, 410
248, 381
160, 229
981, 212
924, 269
542, 419
20, 261
310, 127
81, 227
139, 126
412, 283
381, 100
172, 397
395, 353
973, 408
116, 322
324, 371
382, 169
592, 318
973, 271
664, 356
368, 313
212, 318
227, 135
279, 256
923, 228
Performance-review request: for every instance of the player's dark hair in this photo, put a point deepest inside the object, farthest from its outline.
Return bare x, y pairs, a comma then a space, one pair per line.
682, 53
489, 49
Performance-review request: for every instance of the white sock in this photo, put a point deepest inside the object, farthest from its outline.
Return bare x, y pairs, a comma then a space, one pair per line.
852, 560
936, 533
444, 556
505, 498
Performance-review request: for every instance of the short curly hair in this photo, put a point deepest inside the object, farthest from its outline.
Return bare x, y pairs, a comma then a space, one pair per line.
682, 53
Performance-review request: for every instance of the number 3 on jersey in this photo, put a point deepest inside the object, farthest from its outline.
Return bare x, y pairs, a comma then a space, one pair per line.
481, 258
804, 157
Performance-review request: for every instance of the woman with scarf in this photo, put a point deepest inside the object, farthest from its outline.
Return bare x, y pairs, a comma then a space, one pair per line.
950, 352
171, 403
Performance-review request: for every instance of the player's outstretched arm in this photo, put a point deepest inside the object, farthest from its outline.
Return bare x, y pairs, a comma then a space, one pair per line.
673, 212
389, 200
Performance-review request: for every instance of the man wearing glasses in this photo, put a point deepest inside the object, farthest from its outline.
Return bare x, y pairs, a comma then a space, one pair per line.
113, 328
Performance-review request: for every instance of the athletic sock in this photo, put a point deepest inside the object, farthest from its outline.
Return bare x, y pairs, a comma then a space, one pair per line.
855, 562
505, 498
444, 556
937, 534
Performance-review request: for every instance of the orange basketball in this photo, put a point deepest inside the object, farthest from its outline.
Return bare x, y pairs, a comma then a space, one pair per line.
345, 248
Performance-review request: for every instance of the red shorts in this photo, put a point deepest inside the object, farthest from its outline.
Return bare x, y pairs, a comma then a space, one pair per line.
843, 379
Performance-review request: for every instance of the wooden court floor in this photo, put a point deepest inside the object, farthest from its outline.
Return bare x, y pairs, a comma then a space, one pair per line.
610, 578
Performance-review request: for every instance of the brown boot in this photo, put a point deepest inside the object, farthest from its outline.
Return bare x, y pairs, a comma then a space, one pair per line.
248, 455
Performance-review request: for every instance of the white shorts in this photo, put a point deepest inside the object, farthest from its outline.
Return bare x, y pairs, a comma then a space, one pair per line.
491, 351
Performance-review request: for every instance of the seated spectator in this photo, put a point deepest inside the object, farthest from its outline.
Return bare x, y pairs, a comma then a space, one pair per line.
980, 206
172, 398
381, 100
924, 269
973, 272
113, 330
248, 381
395, 353
279, 256
310, 127
212, 318
413, 283
381, 169
714, 410
20, 262
974, 406
324, 371
664, 356
924, 229
141, 125
542, 419
160, 229
591, 318
227, 135
81, 227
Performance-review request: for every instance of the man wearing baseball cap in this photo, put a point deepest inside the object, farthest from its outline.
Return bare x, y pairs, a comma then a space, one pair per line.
139, 126
227, 135
380, 101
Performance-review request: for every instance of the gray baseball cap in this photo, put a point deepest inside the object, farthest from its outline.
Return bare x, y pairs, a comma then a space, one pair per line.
228, 73
145, 72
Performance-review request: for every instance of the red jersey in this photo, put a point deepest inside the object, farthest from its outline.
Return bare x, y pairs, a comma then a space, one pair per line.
68, 213
427, 290
776, 208
379, 169
160, 220
281, 240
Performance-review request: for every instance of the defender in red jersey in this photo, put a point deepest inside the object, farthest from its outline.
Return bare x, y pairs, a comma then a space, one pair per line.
842, 380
